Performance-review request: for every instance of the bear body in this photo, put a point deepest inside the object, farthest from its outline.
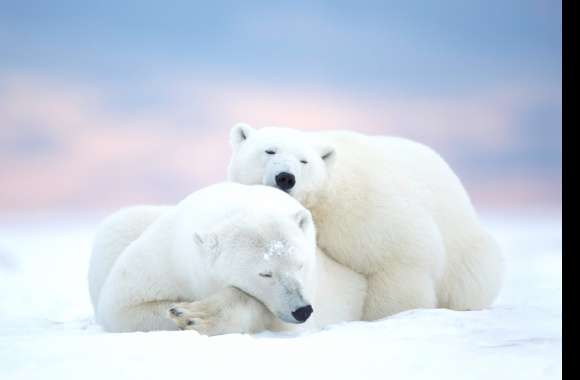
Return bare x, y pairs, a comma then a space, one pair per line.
386, 207
229, 258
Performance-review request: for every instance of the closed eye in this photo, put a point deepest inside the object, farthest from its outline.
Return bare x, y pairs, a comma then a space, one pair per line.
304, 161
270, 151
267, 275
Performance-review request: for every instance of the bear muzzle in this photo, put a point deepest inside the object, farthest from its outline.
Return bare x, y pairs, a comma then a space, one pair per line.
285, 181
302, 313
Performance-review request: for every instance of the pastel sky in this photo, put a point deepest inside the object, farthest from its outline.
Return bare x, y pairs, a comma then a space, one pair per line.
108, 103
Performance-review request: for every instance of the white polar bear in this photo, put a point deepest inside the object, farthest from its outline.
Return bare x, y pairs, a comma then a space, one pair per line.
388, 208
229, 258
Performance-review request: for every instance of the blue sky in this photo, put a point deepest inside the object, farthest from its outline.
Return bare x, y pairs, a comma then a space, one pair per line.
480, 81
398, 46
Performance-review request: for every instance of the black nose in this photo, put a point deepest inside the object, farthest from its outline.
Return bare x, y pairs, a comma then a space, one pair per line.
302, 313
285, 181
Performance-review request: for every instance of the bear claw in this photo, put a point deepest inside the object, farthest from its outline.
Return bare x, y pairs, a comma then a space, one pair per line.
175, 311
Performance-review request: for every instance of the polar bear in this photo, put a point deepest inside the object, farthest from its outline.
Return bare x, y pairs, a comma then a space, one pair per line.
229, 258
386, 207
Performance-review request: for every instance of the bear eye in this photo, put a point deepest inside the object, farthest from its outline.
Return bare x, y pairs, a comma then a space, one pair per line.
304, 162
267, 274
270, 151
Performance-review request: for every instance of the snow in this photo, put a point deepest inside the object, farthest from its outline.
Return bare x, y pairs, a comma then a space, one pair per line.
47, 331
277, 248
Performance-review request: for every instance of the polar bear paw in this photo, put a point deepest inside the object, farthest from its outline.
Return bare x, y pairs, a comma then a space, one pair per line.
202, 316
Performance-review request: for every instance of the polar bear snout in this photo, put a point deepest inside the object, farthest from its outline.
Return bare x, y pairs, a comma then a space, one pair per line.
285, 181
302, 313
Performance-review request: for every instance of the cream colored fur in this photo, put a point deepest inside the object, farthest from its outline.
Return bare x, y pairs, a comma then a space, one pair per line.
194, 258
388, 208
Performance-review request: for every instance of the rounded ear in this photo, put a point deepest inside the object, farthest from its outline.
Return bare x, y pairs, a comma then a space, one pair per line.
303, 218
328, 154
206, 241
239, 133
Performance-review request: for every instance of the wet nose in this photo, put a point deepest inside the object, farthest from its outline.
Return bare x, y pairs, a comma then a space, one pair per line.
302, 313
285, 181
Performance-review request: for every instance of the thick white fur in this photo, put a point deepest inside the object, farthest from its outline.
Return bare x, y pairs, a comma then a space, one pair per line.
195, 257
386, 207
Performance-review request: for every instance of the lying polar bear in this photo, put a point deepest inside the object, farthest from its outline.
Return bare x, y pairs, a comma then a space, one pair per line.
386, 207
228, 258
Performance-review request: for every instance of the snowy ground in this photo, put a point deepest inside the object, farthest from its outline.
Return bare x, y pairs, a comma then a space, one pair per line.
46, 330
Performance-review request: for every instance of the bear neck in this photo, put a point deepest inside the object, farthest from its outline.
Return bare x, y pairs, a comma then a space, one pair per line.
341, 194
320, 204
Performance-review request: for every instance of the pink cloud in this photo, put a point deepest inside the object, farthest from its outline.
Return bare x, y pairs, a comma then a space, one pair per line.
107, 158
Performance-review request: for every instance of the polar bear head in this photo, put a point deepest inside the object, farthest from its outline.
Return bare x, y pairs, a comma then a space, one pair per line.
269, 255
293, 161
